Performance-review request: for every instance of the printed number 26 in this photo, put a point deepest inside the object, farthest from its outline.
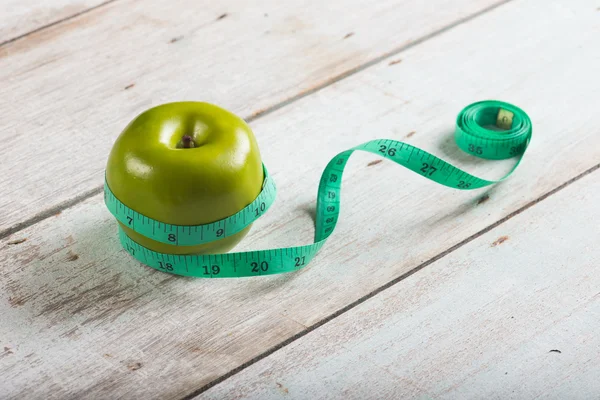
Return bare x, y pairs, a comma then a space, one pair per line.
391, 151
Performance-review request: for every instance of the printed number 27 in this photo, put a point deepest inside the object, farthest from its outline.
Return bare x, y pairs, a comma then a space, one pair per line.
428, 169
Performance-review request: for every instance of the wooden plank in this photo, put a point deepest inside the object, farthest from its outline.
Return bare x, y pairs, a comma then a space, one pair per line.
496, 319
75, 86
84, 318
18, 17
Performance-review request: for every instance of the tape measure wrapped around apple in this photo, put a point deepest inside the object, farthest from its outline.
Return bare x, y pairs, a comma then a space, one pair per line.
185, 182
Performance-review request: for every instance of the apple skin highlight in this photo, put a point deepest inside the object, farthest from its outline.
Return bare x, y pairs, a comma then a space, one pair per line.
186, 163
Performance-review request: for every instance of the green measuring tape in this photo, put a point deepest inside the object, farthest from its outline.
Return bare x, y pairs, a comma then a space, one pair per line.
487, 129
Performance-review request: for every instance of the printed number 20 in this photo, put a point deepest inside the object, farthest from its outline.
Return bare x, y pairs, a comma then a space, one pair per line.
256, 267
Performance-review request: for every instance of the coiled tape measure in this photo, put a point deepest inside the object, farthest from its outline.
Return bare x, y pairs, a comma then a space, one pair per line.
472, 135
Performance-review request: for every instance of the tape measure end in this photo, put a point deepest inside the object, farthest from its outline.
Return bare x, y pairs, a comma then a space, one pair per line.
504, 120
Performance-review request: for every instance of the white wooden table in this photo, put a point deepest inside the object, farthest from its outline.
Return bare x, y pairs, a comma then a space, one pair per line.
452, 295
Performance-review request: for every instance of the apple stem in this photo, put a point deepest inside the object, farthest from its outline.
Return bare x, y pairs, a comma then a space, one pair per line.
186, 142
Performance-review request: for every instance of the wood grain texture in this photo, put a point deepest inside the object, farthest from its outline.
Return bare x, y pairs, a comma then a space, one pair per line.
75, 86
86, 319
513, 320
18, 17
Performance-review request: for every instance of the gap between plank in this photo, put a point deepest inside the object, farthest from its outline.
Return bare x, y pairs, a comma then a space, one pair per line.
58, 21
388, 285
70, 203
50, 212
377, 60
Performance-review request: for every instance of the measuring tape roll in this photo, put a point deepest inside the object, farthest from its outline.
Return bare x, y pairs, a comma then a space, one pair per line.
477, 133
474, 137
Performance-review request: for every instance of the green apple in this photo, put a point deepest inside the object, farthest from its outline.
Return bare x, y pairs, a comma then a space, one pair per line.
186, 163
